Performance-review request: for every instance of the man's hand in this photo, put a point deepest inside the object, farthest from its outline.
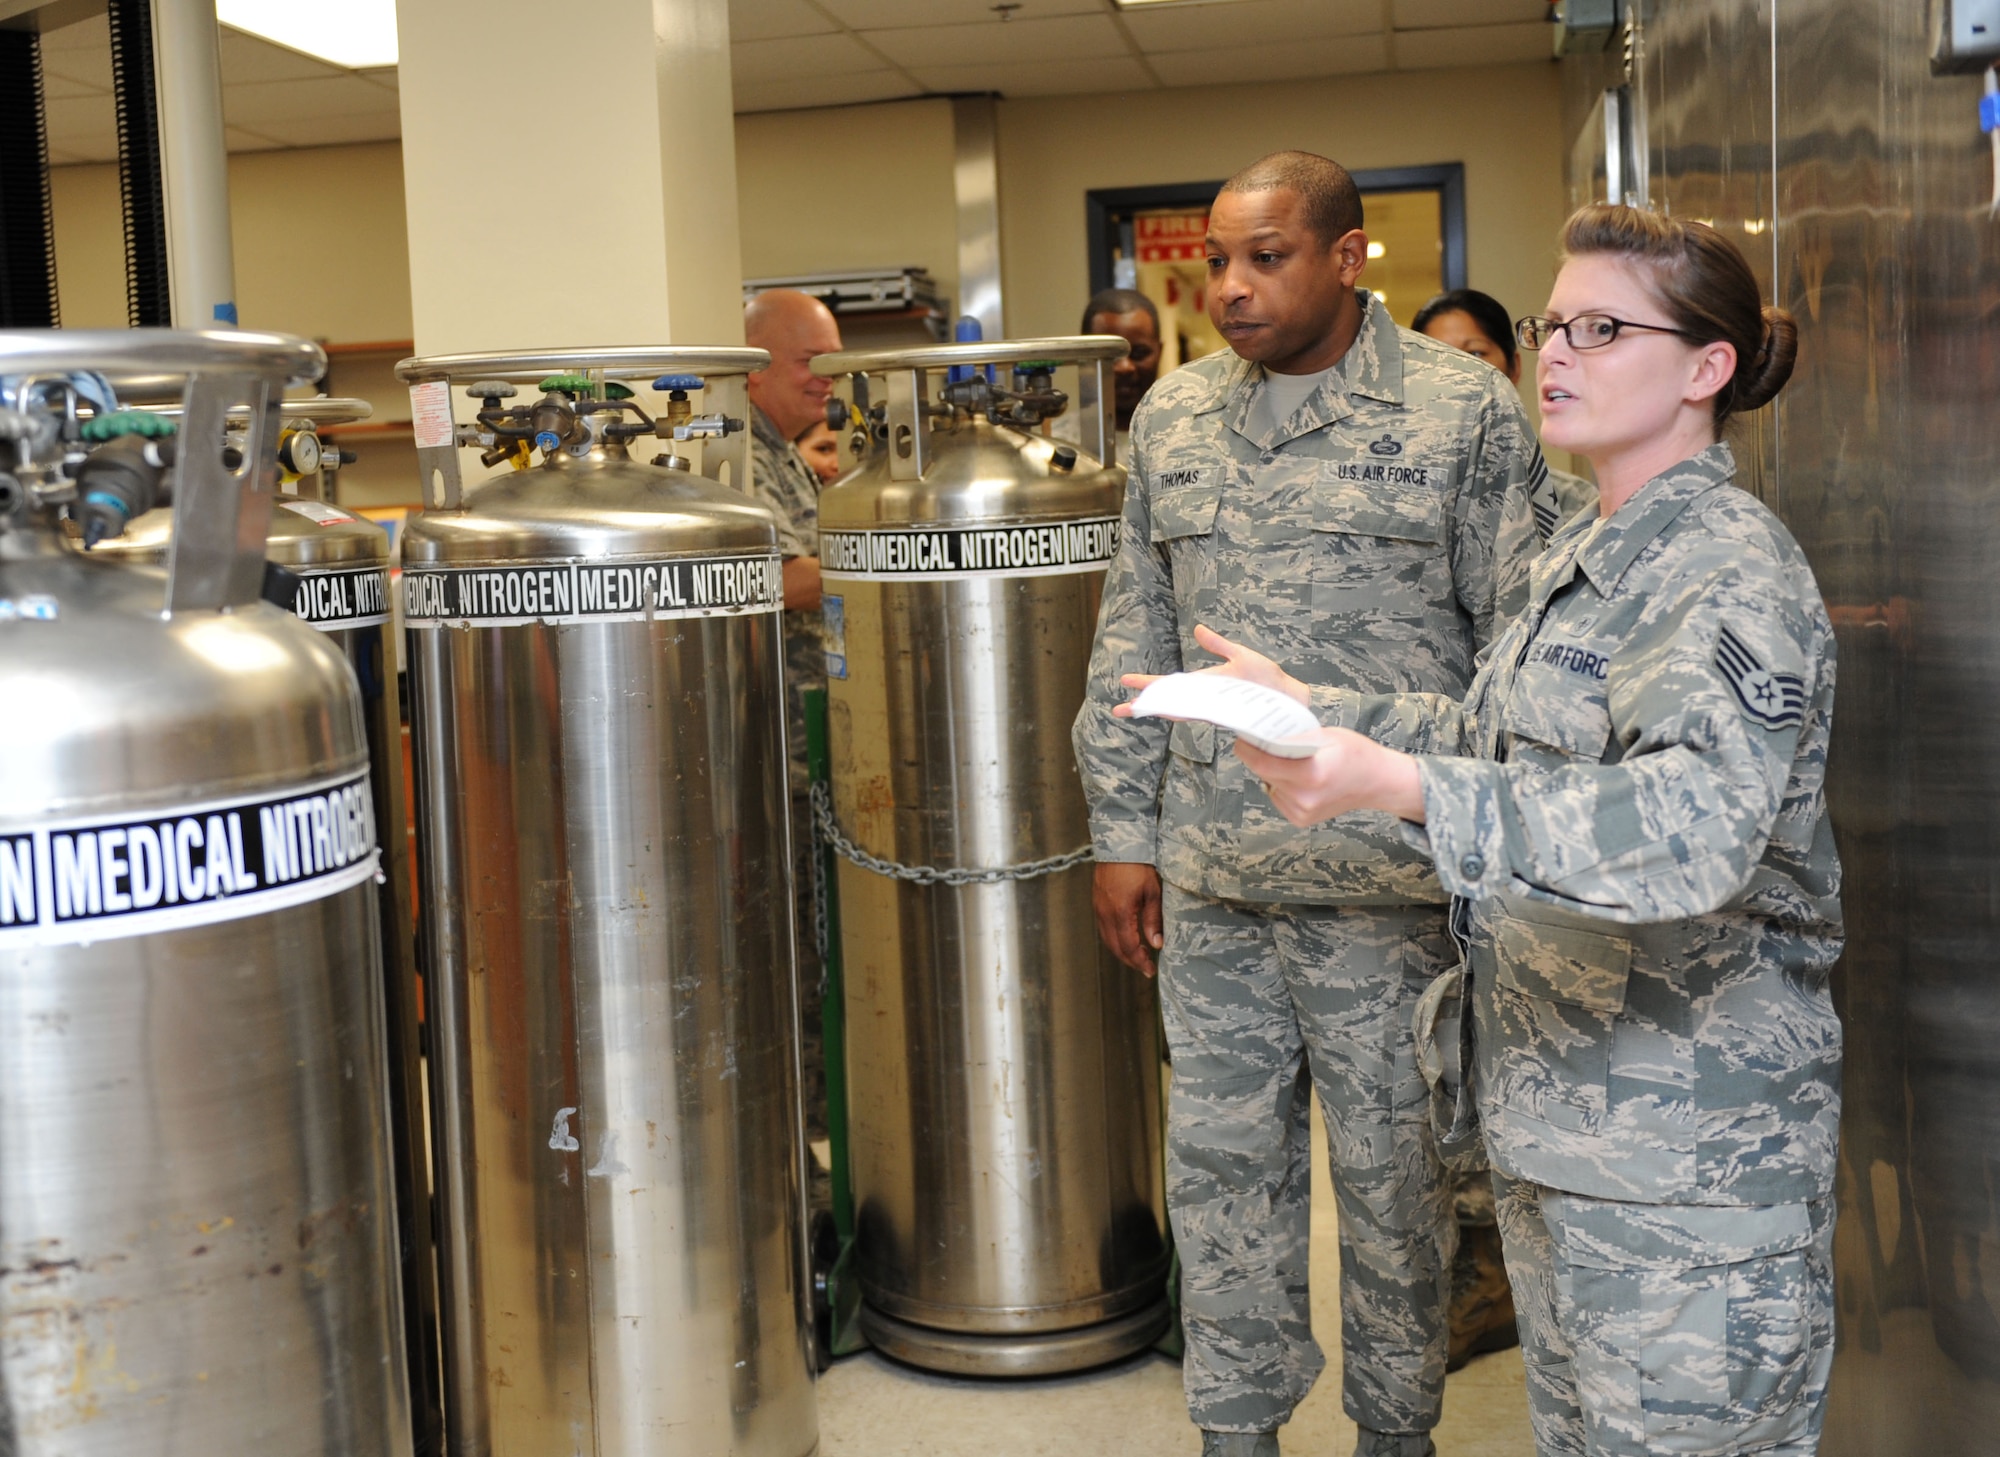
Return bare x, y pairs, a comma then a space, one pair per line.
1126, 898
1350, 772
1237, 662
801, 583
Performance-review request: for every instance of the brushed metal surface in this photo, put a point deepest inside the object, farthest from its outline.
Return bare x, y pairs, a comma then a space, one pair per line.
306, 541
1882, 458
197, 1248
606, 912
1003, 1071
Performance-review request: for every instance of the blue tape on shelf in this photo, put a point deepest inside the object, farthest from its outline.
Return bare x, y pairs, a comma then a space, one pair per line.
1989, 113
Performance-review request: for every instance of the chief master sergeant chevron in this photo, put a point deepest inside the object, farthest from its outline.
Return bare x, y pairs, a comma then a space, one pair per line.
1362, 500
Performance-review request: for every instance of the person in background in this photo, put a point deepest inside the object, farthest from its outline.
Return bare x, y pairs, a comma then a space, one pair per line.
821, 448
1360, 496
1473, 321
1630, 809
786, 398
1132, 317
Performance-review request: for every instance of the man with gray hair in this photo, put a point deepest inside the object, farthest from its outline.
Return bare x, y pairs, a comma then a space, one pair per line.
1357, 501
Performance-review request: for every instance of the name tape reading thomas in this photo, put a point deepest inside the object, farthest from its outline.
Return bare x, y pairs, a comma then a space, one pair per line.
133, 875
615, 591
943, 553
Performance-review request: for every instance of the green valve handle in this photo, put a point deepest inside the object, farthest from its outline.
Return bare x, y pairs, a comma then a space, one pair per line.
1030, 366
579, 385
616, 391
127, 422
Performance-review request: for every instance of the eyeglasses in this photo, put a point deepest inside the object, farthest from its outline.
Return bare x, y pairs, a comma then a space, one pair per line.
1585, 331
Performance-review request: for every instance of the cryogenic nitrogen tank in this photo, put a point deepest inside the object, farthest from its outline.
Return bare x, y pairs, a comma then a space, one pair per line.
597, 717
197, 1210
333, 572
1003, 1070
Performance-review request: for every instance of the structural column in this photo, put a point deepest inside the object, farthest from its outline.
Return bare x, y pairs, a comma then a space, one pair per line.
569, 174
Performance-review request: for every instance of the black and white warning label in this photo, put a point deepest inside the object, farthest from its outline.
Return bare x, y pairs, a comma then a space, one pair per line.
614, 591
339, 598
134, 875
945, 552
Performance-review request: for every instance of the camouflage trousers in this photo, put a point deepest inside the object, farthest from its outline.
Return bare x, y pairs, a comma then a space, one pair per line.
1654, 1328
1263, 1003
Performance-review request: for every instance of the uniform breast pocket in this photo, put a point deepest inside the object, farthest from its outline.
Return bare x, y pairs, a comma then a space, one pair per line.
1183, 509
1558, 992
1559, 709
1377, 542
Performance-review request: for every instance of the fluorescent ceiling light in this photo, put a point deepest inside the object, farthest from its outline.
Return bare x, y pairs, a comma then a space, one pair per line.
351, 33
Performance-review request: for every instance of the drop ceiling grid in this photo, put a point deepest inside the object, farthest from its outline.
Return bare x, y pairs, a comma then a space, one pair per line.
804, 53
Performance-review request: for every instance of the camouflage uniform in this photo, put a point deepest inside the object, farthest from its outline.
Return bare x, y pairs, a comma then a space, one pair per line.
1375, 541
1638, 832
781, 479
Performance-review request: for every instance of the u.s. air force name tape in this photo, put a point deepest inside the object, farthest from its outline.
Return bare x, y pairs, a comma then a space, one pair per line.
625, 590
947, 552
194, 865
338, 598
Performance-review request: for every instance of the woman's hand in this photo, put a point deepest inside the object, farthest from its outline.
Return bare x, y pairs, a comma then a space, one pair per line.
1350, 772
1237, 662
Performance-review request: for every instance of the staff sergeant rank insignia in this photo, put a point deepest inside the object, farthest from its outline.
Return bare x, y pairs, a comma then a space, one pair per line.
1769, 700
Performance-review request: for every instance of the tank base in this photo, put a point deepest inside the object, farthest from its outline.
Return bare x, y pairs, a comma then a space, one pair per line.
1046, 1353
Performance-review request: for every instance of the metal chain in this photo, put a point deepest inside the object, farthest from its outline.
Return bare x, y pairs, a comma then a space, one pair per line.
823, 823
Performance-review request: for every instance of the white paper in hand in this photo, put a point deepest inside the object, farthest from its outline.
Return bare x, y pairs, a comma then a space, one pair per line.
1271, 720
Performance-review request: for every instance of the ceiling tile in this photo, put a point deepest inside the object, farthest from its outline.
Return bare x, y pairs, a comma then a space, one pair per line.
824, 91
384, 76
85, 35
1226, 65
1042, 78
87, 61
881, 14
1429, 14
251, 58
332, 131
82, 122
60, 158
800, 57
776, 19
258, 105
1473, 45
1065, 38
54, 85
1192, 27
239, 140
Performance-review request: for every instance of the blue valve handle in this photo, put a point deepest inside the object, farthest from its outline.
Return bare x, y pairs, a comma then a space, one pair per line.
548, 439
679, 382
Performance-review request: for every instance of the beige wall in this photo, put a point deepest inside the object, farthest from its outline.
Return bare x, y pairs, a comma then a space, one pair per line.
848, 187
319, 237
1503, 123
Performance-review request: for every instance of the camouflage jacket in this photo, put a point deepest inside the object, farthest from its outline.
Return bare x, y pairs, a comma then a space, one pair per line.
781, 479
1639, 827
1376, 542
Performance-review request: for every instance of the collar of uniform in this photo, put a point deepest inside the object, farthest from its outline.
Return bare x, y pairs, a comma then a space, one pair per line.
1372, 367
1653, 508
766, 430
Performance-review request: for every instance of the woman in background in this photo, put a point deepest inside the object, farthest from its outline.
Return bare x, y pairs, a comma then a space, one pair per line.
1475, 323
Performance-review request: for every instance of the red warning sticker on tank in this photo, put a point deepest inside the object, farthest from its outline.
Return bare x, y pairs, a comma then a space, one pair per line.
597, 591
134, 875
944, 552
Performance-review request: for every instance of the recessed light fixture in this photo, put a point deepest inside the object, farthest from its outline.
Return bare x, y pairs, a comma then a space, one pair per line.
353, 33
1378, 250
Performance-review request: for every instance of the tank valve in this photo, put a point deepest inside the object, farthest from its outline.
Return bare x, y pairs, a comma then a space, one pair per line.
121, 478
837, 414
300, 453
1062, 459
491, 392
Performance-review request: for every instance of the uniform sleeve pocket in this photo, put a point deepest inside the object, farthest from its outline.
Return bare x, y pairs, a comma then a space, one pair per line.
1186, 509
1565, 964
1379, 508
1195, 741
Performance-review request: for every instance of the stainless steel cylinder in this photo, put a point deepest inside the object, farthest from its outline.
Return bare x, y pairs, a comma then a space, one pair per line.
197, 1236
598, 725
1003, 1071
338, 581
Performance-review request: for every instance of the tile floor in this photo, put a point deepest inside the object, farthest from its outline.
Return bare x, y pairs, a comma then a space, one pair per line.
871, 1407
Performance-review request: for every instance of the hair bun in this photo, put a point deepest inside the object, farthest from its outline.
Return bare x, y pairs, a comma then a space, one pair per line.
1759, 379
